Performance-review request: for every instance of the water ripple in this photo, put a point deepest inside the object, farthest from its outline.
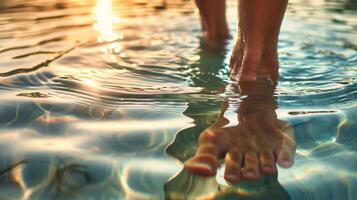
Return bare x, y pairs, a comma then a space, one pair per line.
93, 101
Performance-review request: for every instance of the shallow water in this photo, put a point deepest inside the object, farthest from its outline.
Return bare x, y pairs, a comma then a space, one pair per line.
93, 92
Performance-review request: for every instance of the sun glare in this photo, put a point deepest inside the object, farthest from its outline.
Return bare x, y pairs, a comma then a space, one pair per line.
90, 82
105, 20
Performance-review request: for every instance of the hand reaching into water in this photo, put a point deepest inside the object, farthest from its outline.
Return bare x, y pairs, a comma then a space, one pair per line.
251, 148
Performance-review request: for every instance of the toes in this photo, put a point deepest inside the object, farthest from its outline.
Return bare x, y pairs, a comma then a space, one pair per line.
285, 155
250, 170
233, 162
205, 162
267, 162
202, 165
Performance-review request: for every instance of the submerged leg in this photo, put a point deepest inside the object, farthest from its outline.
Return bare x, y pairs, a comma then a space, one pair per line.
255, 52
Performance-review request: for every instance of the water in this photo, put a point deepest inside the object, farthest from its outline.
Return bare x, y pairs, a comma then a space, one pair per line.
93, 92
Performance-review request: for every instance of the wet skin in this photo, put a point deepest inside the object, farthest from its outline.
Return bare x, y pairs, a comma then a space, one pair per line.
255, 53
253, 147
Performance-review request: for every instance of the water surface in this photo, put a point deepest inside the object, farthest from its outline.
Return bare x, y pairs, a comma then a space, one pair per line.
93, 92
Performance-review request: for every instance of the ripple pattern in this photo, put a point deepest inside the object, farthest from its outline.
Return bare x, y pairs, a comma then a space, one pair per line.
105, 99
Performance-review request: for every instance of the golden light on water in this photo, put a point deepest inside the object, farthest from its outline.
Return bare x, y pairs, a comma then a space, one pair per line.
90, 82
105, 19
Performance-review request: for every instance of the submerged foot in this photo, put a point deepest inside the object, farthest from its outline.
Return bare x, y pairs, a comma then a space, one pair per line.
249, 150
252, 148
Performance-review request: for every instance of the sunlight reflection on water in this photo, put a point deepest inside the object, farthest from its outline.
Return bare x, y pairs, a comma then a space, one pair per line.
105, 20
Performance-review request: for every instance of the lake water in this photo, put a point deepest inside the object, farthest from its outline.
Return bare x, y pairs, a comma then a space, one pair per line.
96, 98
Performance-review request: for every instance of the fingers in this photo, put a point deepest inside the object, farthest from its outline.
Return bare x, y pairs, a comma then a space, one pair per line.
233, 162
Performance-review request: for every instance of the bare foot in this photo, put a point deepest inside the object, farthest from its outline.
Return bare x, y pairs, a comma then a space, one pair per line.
250, 149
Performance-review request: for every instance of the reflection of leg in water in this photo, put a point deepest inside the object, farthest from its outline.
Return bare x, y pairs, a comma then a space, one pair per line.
184, 145
203, 112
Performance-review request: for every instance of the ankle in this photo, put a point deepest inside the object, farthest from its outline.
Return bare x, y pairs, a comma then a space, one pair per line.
216, 33
269, 64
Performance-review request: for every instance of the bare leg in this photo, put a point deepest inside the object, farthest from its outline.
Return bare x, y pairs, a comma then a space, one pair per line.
213, 19
255, 53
